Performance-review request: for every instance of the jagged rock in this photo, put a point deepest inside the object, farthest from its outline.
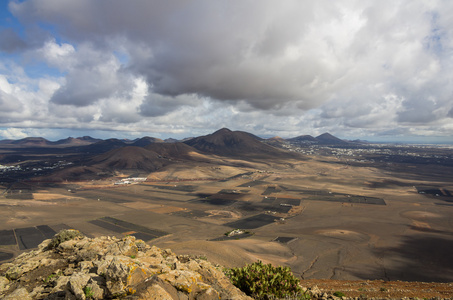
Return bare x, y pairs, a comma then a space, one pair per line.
208, 294
18, 294
124, 247
4, 282
77, 283
158, 288
109, 267
60, 283
156, 292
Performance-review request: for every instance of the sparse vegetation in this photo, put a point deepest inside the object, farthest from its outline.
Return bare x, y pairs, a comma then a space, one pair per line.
88, 292
264, 281
63, 236
339, 294
51, 277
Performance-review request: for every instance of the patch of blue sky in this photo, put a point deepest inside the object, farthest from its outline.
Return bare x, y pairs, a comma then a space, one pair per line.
7, 20
433, 42
33, 69
122, 57
40, 70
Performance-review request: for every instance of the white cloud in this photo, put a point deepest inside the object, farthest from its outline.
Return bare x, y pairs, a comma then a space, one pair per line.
357, 67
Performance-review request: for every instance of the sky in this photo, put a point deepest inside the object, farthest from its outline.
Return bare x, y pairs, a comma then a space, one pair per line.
364, 69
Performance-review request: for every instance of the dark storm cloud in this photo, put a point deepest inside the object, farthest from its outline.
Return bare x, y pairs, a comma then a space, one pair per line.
239, 51
10, 41
346, 65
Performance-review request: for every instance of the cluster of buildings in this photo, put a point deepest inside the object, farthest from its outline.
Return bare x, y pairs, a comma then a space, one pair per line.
130, 180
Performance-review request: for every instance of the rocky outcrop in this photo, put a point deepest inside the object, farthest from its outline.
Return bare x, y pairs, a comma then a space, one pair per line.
109, 268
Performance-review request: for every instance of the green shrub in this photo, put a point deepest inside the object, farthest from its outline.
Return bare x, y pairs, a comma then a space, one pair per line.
63, 236
88, 292
339, 294
262, 281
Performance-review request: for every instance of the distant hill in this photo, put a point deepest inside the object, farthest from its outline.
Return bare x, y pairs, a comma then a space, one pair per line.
304, 139
171, 140
32, 141
233, 143
145, 141
328, 139
128, 158
42, 142
276, 141
103, 146
80, 141
323, 139
175, 150
276, 138
5, 142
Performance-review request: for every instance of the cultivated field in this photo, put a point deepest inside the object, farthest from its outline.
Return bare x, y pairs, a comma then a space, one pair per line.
323, 218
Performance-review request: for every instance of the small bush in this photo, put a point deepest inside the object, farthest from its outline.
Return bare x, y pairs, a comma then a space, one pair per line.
63, 236
262, 281
88, 292
339, 294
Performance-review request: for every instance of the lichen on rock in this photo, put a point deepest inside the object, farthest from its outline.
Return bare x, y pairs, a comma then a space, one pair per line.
72, 266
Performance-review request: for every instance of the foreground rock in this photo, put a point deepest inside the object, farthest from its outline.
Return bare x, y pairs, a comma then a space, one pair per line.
109, 268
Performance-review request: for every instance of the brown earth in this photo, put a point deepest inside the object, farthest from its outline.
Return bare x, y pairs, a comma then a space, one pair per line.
383, 289
410, 238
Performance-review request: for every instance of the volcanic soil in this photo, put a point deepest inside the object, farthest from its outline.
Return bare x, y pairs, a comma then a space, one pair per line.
327, 220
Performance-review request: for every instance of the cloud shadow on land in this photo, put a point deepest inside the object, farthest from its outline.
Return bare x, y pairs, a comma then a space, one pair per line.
417, 258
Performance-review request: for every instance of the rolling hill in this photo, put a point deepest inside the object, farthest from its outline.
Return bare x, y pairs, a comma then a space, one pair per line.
225, 142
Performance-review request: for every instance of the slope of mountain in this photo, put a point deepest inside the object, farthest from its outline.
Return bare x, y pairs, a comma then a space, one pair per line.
276, 141
5, 142
323, 139
172, 150
276, 138
233, 143
80, 141
149, 158
171, 140
42, 142
128, 158
304, 139
32, 141
328, 139
103, 146
145, 141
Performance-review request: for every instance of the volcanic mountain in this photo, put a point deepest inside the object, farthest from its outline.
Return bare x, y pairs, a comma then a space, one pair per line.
303, 139
328, 139
42, 142
178, 151
128, 158
323, 139
225, 142
145, 141
80, 141
149, 158
32, 141
103, 146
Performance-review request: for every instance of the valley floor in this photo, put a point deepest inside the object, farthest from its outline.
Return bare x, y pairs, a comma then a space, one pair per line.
323, 218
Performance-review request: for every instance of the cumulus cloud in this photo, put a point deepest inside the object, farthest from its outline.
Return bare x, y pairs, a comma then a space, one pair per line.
358, 67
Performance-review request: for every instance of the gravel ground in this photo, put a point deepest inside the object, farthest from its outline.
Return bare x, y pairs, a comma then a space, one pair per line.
383, 289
